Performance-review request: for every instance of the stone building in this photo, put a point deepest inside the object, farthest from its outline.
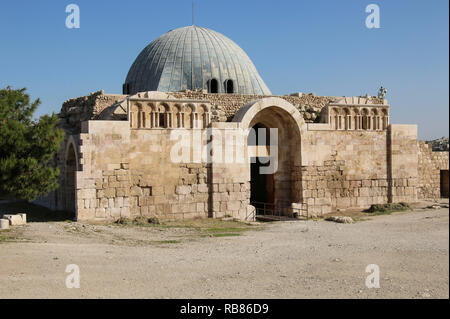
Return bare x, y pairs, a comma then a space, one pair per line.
120, 156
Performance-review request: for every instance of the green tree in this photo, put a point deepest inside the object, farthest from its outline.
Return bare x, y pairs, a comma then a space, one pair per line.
27, 147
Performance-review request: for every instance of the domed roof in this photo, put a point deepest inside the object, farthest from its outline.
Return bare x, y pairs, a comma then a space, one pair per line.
194, 58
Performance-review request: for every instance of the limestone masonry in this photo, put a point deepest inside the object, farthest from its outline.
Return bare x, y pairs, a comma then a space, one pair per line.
329, 152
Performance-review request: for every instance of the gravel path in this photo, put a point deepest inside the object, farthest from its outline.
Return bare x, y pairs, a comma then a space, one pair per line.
284, 260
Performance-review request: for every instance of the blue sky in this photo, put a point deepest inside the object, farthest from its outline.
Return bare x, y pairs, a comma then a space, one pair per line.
298, 46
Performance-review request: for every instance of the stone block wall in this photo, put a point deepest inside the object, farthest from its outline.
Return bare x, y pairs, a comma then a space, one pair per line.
103, 178
343, 169
403, 163
430, 164
125, 172
152, 194
128, 173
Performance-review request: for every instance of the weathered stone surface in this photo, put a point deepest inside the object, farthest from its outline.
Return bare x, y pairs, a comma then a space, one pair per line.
4, 223
429, 167
341, 219
183, 190
16, 220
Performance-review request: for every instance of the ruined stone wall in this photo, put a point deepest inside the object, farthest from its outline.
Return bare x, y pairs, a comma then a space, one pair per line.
77, 110
430, 165
228, 104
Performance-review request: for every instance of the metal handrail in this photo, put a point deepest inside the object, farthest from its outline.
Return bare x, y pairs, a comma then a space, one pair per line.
265, 209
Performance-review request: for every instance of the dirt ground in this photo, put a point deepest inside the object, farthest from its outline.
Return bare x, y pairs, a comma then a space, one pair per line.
212, 259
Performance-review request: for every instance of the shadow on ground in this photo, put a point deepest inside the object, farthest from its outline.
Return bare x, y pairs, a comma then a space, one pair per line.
35, 213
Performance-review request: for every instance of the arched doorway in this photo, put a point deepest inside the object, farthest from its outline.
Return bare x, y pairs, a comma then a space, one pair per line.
286, 125
70, 187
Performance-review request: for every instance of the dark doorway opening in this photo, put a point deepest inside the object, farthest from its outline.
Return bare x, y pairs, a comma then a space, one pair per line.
261, 185
444, 183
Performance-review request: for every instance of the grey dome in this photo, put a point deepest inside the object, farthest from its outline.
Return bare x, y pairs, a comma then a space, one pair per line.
194, 58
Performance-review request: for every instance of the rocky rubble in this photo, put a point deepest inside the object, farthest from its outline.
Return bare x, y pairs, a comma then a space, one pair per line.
77, 110
226, 105
12, 220
340, 219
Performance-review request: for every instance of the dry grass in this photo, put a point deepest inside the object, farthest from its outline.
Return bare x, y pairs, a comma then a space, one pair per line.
386, 209
375, 210
202, 227
11, 235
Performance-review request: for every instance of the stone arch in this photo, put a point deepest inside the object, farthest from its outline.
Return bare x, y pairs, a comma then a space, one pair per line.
164, 107
140, 116
357, 117
191, 115
203, 115
334, 117
205, 107
177, 110
161, 115
70, 169
277, 113
375, 120
385, 118
167, 117
185, 118
365, 119
246, 113
151, 115
121, 109
347, 119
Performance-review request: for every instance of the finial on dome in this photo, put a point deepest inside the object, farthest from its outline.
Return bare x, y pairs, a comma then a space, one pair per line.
192, 12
